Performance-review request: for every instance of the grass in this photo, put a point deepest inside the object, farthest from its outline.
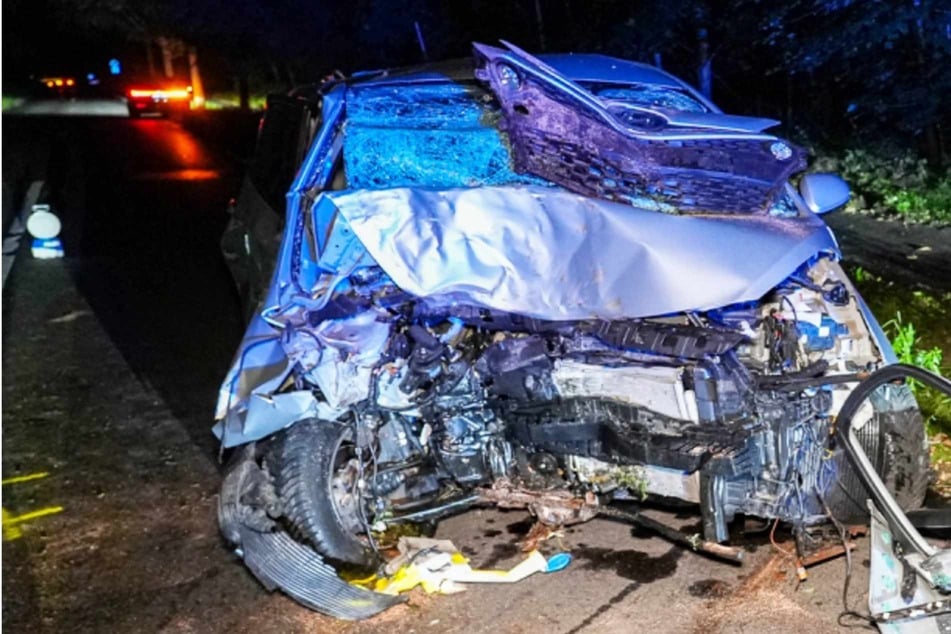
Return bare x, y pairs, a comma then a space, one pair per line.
935, 407
229, 100
893, 182
9, 102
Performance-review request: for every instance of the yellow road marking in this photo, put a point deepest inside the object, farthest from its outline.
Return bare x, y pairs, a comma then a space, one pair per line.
10, 532
32, 515
10, 529
24, 478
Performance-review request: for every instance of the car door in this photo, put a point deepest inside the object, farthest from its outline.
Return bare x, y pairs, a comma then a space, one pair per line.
253, 234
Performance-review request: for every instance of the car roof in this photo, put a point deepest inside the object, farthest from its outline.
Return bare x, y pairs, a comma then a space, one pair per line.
602, 68
587, 67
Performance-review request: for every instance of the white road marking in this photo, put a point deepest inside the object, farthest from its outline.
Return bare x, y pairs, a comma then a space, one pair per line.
79, 107
68, 317
11, 241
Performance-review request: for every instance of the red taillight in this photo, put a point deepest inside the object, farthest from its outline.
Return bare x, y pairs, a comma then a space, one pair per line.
170, 93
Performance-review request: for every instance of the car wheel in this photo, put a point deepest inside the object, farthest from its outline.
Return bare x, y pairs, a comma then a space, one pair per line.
317, 474
896, 443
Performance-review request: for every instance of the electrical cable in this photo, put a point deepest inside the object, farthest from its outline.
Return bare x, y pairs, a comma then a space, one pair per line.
867, 621
772, 540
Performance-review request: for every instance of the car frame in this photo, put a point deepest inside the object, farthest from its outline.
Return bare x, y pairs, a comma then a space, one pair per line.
697, 175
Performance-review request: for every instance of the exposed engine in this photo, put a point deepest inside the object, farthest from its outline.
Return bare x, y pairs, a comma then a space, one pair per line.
726, 409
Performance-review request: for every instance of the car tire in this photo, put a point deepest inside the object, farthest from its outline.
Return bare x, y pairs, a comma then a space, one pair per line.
896, 443
310, 457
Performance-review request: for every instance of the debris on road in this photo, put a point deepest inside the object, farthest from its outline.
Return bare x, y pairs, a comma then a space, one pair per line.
439, 567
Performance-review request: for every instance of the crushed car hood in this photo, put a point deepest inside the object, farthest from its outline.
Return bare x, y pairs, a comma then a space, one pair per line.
536, 251
555, 255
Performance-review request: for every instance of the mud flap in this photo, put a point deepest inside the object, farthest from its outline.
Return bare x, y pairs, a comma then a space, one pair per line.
279, 562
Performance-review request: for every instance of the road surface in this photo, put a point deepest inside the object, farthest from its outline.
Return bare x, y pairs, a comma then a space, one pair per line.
112, 359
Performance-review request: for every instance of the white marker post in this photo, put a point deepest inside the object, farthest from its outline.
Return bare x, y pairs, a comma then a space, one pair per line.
44, 226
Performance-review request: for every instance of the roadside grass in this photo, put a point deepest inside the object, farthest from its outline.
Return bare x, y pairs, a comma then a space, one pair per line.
9, 102
891, 181
229, 100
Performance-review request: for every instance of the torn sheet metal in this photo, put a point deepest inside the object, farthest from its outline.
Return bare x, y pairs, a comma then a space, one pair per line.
534, 251
909, 577
336, 354
346, 351
694, 161
279, 562
266, 414
900, 601
555, 255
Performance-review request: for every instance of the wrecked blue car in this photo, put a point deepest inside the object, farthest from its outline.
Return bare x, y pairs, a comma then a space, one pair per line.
551, 283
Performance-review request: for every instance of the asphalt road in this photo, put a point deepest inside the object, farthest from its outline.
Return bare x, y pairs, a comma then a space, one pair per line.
111, 362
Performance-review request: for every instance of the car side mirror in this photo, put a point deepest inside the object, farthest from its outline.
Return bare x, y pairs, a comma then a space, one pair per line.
823, 193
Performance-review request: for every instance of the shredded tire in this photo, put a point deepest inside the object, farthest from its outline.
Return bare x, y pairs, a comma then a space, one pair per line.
304, 466
897, 445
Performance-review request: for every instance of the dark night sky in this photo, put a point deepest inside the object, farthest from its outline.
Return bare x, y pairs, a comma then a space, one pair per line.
36, 41
836, 66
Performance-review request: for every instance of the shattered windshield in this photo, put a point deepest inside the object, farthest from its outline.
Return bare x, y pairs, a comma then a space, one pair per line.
429, 135
644, 95
784, 205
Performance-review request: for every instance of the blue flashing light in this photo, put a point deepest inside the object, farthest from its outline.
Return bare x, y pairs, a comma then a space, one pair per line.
115, 68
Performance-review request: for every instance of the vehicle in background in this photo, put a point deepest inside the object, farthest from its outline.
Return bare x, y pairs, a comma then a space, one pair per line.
168, 100
60, 87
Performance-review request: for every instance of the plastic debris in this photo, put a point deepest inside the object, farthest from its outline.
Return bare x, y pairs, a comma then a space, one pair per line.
438, 567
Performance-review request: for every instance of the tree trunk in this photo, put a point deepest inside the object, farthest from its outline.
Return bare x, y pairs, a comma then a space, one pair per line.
933, 145
704, 64
422, 41
788, 118
150, 57
539, 19
275, 72
933, 150
244, 90
167, 56
570, 22
198, 89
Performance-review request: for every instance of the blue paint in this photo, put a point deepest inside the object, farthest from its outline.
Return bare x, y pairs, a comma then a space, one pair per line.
558, 562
